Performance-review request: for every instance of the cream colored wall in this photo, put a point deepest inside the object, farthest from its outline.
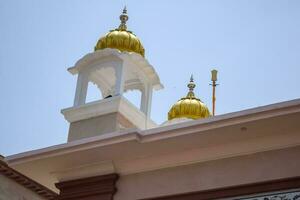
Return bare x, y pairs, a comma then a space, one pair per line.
208, 175
10, 190
93, 126
97, 126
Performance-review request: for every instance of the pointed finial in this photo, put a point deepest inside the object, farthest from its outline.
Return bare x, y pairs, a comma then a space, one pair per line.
124, 18
191, 87
214, 75
192, 78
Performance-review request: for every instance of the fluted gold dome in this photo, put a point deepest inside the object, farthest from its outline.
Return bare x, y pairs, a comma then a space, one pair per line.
189, 106
121, 38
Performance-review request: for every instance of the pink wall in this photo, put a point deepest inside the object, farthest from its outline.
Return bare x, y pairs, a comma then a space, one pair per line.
214, 174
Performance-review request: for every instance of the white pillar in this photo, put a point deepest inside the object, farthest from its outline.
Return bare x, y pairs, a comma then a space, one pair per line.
146, 100
81, 88
143, 100
120, 79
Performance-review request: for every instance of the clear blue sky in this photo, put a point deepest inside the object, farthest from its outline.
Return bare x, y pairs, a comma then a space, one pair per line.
254, 44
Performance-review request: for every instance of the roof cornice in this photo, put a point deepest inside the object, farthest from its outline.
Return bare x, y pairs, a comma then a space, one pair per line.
268, 128
163, 132
26, 182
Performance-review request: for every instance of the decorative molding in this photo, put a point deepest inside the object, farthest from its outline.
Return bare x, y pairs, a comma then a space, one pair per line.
26, 182
236, 191
98, 187
93, 109
82, 171
200, 155
175, 145
137, 60
106, 106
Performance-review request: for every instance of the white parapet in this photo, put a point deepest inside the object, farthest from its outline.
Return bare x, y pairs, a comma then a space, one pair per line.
116, 104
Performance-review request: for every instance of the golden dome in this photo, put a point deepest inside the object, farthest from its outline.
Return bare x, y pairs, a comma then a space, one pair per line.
121, 38
189, 106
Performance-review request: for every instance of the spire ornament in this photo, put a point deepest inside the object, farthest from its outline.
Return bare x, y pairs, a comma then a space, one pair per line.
191, 87
124, 18
214, 85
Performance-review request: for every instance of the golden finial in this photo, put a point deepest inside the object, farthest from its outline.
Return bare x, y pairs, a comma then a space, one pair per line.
214, 84
191, 87
124, 18
214, 75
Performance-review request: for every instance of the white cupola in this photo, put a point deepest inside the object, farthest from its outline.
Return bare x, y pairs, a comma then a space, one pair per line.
114, 71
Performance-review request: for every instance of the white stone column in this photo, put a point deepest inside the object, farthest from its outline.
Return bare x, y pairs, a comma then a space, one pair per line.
146, 100
120, 79
81, 88
143, 100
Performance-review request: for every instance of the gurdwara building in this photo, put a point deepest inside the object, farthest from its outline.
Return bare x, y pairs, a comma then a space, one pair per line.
115, 151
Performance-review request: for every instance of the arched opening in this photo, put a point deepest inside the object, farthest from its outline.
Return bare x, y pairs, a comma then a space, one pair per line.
93, 93
134, 96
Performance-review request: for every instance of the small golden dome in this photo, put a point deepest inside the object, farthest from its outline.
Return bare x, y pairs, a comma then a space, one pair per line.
121, 38
189, 106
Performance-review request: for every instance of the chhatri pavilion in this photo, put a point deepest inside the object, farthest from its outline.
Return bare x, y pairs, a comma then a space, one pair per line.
116, 151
